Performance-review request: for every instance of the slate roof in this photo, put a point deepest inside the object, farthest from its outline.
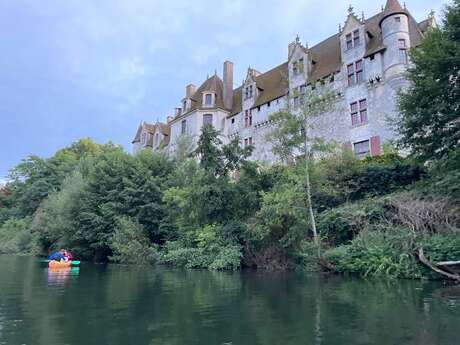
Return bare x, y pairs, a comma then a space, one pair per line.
165, 129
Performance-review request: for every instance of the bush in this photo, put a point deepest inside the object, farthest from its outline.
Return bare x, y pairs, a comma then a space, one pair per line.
221, 257
15, 236
340, 225
130, 243
374, 180
377, 253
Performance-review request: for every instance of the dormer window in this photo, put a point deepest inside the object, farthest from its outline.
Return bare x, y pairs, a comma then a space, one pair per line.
143, 138
297, 67
208, 99
353, 39
248, 92
356, 38
184, 105
349, 38
300, 67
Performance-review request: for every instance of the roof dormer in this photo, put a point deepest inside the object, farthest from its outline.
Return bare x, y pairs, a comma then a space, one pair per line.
249, 88
299, 63
209, 99
353, 33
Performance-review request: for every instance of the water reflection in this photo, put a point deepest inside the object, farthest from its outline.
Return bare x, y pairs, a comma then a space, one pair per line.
58, 277
113, 304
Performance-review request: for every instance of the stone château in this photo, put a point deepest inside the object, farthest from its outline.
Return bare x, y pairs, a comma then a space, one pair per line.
365, 63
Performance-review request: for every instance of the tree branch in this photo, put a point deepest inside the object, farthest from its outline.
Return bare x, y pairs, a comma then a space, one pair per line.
435, 268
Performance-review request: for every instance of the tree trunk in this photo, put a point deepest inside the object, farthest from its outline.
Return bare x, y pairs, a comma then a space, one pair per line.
435, 268
308, 190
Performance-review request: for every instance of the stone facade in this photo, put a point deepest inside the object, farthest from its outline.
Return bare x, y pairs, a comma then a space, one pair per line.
365, 63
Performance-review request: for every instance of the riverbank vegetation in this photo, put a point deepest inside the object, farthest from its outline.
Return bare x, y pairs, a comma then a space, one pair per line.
213, 208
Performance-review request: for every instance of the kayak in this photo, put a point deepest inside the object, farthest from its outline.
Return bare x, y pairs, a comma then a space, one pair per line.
59, 264
73, 262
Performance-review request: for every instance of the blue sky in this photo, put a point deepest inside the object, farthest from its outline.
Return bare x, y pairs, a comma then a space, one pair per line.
96, 68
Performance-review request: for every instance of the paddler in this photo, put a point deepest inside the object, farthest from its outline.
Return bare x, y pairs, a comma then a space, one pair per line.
58, 256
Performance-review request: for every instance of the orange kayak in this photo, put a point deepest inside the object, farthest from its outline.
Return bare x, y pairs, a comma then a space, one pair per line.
59, 264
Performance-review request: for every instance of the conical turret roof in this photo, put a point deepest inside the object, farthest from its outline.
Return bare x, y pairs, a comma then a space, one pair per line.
392, 7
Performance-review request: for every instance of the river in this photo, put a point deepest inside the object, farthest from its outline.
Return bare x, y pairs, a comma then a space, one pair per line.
116, 304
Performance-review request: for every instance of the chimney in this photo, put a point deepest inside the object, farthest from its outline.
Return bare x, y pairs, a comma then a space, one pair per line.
228, 84
170, 118
177, 111
189, 90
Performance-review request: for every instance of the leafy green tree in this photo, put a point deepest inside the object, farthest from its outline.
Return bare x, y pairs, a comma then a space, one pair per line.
122, 185
275, 237
218, 158
130, 243
54, 223
430, 121
292, 133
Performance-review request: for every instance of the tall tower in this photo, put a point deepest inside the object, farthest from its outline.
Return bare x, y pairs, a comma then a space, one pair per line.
395, 33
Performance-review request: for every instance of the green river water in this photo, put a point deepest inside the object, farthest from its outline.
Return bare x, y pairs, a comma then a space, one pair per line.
115, 304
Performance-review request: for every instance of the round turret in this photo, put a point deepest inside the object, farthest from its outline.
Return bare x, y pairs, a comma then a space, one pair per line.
395, 35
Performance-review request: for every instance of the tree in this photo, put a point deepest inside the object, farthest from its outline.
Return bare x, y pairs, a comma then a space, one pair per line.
291, 135
430, 121
218, 158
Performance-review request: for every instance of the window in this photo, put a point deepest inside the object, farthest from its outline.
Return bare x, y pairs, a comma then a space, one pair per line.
297, 66
300, 65
233, 120
402, 51
183, 126
248, 141
207, 119
349, 39
296, 101
355, 73
352, 39
351, 74
248, 92
248, 118
359, 71
358, 112
361, 148
398, 19
208, 99
157, 139
268, 104
143, 138
303, 89
356, 38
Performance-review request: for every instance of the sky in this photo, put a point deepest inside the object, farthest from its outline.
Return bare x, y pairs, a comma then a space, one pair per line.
96, 68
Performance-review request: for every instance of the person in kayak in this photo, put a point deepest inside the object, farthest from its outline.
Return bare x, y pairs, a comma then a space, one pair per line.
68, 255
58, 256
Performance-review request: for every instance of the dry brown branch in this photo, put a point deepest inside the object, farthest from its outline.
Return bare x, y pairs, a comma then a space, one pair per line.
424, 215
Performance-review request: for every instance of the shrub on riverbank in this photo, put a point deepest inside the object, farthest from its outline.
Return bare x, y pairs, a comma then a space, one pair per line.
15, 236
130, 243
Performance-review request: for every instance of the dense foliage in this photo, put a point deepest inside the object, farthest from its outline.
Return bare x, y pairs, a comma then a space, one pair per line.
430, 125
212, 208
